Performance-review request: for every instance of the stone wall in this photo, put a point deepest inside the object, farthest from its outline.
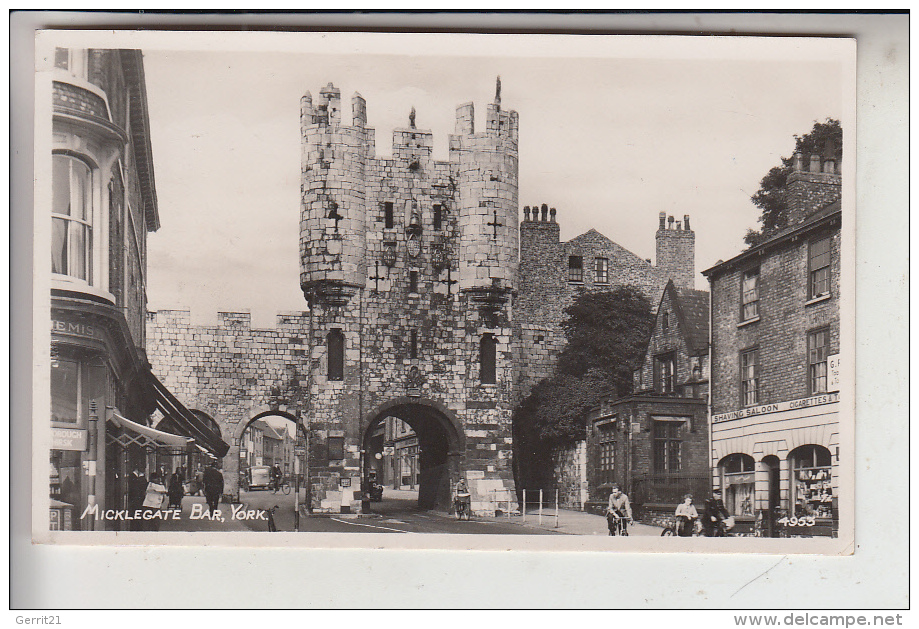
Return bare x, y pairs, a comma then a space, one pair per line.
231, 371
570, 471
414, 261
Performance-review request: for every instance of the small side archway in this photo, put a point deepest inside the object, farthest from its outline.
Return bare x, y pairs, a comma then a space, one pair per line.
231, 463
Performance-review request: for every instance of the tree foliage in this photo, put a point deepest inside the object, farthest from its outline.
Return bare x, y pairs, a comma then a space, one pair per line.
823, 138
607, 333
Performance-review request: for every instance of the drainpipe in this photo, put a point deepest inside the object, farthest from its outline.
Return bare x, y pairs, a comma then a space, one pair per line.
91, 458
711, 380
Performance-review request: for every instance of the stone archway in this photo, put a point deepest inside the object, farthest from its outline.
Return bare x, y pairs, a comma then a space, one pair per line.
441, 443
231, 462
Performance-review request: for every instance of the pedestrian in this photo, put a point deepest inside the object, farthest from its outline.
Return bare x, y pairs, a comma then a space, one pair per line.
176, 490
618, 512
137, 490
154, 499
213, 486
199, 481
686, 515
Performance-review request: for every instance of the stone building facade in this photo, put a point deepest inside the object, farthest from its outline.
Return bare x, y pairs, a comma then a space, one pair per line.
654, 443
553, 272
427, 301
775, 360
232, 374
408, 265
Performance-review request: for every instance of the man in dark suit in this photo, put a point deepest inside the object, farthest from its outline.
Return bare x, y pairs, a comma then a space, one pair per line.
715, 513
137, 489
213, 486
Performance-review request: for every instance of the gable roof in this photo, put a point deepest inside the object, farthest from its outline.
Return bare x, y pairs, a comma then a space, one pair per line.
593, 238
694, 305
691, 308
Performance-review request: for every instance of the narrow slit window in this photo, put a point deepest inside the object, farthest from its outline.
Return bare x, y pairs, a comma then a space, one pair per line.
414, 345
388, 214
413, 281
488, 359
336, 350
438, 216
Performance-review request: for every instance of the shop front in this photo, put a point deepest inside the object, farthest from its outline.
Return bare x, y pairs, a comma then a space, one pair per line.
778, 469
102, 396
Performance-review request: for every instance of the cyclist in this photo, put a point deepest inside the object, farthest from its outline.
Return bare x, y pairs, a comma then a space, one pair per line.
617, 510
714, 515
276, 476
686, 515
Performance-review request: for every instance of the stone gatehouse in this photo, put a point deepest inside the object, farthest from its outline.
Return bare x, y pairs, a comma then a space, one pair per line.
426, 300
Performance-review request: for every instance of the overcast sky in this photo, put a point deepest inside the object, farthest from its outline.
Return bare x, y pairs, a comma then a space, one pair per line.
610, 139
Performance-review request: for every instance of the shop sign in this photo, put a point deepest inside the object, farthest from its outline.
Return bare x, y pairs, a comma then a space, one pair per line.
76, 329
817, 400
833, 375
68, 439
299, 451
344, 482
242, 454
388, 450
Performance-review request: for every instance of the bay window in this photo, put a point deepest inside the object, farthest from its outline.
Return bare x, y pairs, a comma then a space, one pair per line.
72, 218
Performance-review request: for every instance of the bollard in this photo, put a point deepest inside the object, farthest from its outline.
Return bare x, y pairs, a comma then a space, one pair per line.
523, 511
556, 508
540, 507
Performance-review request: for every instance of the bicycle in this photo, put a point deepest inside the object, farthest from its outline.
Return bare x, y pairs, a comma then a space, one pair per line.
671, 530
283, 486
618, 524
461, 508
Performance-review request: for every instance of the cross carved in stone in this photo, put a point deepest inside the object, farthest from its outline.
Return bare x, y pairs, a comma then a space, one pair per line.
495, 225
334, 215
377, 277
449, 281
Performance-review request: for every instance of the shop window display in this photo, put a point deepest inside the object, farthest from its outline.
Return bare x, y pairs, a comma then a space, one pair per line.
737, 482
812, 482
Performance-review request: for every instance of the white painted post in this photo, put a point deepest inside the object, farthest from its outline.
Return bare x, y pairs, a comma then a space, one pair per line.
523, 511
556, 508
540, 507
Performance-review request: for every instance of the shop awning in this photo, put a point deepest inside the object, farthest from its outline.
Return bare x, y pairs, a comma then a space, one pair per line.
146, 437
185, 421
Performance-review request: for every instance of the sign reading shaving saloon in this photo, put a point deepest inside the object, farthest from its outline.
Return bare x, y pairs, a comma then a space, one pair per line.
817, 400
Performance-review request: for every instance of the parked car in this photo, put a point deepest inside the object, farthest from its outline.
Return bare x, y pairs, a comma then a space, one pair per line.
259, 477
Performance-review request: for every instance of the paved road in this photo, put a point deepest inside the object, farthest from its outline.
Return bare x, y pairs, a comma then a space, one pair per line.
398, 513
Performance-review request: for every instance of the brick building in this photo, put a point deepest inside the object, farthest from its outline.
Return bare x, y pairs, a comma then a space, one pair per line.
103, 203
775, 356
654, 443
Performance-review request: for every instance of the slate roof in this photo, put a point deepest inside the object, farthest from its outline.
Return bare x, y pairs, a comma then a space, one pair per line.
694, 307
777, 240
